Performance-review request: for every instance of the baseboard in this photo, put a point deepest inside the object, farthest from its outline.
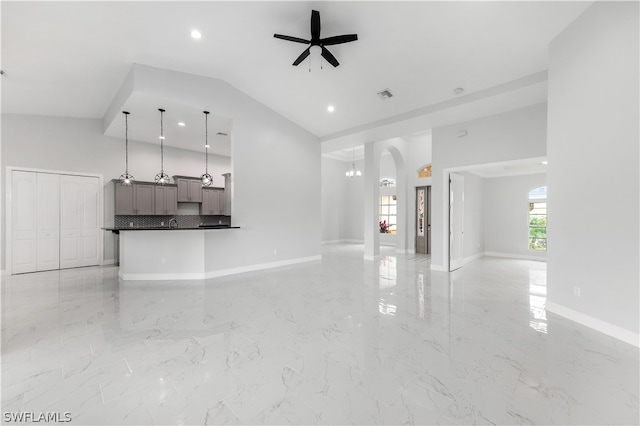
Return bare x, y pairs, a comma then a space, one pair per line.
439, 268
260, 266
160, 277
108, 261
602, 326
515, 256
215, 274
472, 258
407, 251
334, 241
352, 241
371, 258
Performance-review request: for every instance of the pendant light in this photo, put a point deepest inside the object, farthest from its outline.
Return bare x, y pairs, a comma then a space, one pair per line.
126, 179
162, 178
353, 172
206, 178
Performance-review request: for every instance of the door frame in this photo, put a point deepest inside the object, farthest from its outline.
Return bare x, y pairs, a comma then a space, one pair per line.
427, 216
8, 209
459, 180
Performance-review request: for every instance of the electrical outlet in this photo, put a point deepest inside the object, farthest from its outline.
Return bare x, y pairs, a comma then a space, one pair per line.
275, 251
163, 260
161, 223
219, 222
576, 291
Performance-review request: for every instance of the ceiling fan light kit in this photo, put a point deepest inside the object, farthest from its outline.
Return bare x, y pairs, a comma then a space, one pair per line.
317, 41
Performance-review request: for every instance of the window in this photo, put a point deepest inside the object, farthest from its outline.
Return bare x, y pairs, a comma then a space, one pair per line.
388, 214
425, 172
538, 219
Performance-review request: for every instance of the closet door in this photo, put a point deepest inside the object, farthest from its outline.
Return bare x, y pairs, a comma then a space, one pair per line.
23, 221
48, 222
90, 224
79, 231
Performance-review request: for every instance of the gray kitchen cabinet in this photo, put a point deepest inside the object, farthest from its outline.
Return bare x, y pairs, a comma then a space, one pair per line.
166, 200
212, 201
144, 198
124, 199
137, 199
189, 189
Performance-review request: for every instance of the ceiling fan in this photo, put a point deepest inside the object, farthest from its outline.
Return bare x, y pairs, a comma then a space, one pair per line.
317, 41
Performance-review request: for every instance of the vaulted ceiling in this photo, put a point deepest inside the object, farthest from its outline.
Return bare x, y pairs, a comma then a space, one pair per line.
70, 58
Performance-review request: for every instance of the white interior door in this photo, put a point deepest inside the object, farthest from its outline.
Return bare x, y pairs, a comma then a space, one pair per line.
23, 221
79, 227
456, 221
90, 221
71, 213
48, 222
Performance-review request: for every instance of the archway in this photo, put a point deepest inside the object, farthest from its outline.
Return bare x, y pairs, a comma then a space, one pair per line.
373, 154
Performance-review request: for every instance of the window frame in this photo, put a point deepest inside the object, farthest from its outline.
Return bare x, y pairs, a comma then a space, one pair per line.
532, 201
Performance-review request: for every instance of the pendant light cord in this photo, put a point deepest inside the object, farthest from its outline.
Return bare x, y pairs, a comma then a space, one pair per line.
206, 142
161, 143
126, 142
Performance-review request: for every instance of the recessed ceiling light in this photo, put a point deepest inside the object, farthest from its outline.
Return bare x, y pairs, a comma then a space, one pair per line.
207, 146
458, 91
545, 162
181, 123
160, 137
330, 108
196, 34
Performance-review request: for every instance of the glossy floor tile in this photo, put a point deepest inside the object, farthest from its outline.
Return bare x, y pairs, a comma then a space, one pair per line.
337, 341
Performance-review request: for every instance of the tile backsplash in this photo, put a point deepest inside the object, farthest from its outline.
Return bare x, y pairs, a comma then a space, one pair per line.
184, 221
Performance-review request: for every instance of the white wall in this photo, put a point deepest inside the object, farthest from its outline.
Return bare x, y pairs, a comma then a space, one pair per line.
419, 148
473, 243
354, 219
593, 170
334, 199
78, 145
342, 202
517, 134
506, 217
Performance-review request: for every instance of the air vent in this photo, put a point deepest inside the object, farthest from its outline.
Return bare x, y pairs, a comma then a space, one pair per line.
222, 134
385, 94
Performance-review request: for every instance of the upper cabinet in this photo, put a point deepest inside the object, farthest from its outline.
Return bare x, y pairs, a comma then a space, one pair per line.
212, 201
166, 200
145, 198
189, 189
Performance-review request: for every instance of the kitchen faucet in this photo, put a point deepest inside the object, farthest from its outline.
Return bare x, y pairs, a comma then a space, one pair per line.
172, 221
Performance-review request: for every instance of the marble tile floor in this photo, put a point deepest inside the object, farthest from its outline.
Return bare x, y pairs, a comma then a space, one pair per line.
336, 341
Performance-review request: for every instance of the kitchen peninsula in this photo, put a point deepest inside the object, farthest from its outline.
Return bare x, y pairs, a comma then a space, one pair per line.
164, 230
168, 254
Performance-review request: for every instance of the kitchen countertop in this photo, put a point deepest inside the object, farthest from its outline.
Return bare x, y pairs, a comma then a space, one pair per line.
165, 228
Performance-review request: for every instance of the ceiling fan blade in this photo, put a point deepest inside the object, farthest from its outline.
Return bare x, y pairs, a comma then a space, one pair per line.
329, 57
338, 39
289, 38
315, 25
302, 56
